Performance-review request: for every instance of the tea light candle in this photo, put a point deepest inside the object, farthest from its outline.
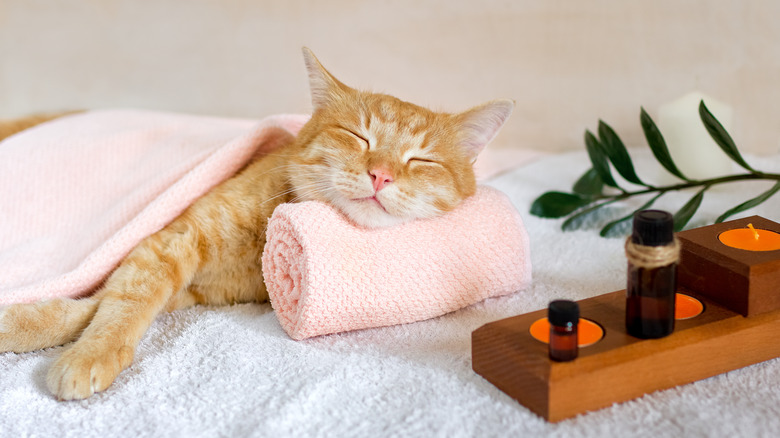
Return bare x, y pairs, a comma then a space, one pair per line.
589, 331
690, 145
686, 306
751, 239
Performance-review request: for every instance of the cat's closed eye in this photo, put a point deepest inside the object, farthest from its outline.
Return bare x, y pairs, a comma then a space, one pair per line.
421, 160
363, 140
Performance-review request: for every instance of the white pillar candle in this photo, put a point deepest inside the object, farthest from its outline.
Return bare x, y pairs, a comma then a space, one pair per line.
690, 145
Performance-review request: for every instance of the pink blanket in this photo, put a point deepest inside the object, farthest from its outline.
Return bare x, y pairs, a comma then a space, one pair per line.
77, 194
324, 275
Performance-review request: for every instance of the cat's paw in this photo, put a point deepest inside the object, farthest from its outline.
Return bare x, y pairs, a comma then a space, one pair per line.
43, 324
6, 331
3, 325
22, 328
83, 370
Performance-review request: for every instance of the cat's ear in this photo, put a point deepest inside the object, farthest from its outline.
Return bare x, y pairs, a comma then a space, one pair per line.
479, 125
322, 84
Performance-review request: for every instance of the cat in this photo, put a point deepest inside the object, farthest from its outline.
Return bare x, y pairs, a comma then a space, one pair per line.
379, 160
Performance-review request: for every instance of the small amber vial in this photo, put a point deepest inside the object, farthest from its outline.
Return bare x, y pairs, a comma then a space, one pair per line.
563, 316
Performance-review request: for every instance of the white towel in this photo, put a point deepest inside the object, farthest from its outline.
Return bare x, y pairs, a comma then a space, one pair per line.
233, 371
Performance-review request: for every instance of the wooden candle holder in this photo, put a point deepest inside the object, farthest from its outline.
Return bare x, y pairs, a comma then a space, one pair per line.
747, 282
620, 367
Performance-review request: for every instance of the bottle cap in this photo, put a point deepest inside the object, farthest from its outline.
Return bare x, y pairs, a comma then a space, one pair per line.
563, 312
653, 228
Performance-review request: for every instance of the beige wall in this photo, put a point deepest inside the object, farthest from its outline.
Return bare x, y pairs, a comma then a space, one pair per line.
566, 63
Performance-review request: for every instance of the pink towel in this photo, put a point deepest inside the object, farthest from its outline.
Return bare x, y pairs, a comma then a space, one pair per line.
78, 193
325, 275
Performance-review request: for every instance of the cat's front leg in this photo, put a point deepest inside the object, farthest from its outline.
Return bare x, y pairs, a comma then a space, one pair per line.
88, 367
107, 345
28, 327
132, 297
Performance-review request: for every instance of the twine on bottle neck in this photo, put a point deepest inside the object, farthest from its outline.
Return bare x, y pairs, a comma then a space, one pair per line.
651, 257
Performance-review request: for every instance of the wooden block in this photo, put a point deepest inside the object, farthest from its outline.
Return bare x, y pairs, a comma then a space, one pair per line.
619, 367
747, 282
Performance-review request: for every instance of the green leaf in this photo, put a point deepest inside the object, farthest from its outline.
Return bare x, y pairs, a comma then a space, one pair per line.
721, 137
658, 145
598, 159
617, 153
607, 228
590, 183
749, 203
558, 204
683, 215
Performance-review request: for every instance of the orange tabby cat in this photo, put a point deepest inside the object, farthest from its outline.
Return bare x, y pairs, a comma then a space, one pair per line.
379, 160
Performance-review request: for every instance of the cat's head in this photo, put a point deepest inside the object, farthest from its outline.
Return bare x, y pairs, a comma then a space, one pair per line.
382, 161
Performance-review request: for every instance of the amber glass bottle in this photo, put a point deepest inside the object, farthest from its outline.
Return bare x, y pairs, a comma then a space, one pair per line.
563, 316
652, 254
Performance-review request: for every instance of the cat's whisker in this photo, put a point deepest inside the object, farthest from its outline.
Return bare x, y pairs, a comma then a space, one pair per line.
320, 186
278, 168
310, 193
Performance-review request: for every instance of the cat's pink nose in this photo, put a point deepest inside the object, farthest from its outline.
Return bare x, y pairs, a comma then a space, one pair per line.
380, 177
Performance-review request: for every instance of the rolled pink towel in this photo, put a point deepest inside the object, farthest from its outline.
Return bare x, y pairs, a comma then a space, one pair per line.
325, 275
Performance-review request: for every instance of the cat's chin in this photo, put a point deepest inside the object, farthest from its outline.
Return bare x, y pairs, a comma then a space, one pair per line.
369, 213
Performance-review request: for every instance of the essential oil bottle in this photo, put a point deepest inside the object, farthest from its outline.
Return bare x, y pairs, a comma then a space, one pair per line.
652, 253
563, 316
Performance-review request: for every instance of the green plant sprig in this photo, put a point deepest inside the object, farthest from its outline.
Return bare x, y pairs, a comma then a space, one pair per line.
588, 192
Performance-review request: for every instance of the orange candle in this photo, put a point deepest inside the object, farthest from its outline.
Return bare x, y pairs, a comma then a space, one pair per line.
686, 306
751, 239
589, 331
